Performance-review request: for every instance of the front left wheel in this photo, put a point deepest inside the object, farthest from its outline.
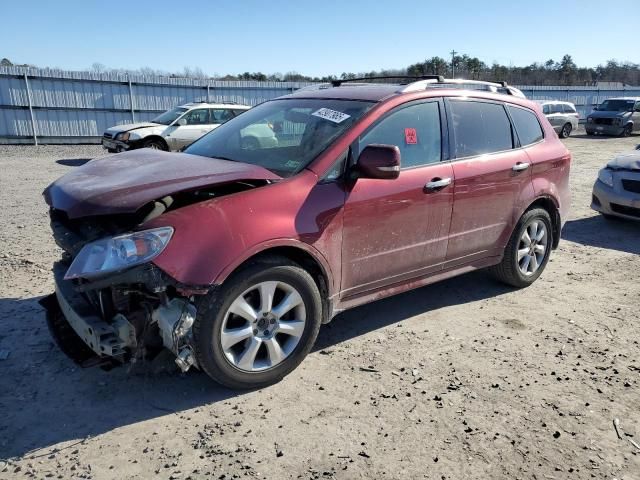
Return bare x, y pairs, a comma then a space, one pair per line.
259, 325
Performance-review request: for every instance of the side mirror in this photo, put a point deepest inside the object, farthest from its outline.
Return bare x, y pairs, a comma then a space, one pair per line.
380, 162
181, 122
595, 109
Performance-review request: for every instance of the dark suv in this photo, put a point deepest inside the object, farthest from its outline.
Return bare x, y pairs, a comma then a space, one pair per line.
232, 257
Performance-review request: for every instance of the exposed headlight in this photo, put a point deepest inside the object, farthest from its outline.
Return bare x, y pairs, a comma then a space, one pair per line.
589, 120
123, 137
606, 176
117, 253
617, 121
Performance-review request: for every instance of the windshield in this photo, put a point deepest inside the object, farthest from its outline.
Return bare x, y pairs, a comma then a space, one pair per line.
170, 116
283, 136
616, 105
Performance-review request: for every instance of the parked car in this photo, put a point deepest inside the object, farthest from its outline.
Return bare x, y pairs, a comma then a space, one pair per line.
232, 257
178, 127
615, 116
562, 116
616, 192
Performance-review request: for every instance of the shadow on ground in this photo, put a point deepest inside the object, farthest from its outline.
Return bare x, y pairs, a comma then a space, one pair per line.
72, 162
45, 399
596, 231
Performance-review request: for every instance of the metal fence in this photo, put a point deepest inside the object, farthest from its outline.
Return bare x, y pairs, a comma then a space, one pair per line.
53, 106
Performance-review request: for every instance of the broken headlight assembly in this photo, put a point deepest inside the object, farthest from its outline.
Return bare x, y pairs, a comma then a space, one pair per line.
112, 254
606, 176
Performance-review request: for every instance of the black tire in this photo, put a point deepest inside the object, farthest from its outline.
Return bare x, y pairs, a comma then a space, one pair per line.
508, 271
566, 130
213, 307
250, 143
628, 130
155, 144
590, 133
64, 335
112, 150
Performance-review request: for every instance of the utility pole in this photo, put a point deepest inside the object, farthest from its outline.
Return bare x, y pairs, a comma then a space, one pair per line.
453, 67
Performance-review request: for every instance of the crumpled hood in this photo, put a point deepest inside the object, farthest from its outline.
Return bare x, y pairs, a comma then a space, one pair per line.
124, 182
608, 114
626, 161
132, 126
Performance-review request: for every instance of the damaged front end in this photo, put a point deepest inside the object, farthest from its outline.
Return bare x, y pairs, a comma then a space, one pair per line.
111, 304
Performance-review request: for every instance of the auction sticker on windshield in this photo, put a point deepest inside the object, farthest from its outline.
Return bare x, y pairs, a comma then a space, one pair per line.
331, 115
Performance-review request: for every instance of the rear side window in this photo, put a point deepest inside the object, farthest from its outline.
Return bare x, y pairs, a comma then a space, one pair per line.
568, 108
414, 129
526, 125
480, 128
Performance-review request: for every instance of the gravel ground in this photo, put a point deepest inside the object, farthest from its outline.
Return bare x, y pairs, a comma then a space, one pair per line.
463, 379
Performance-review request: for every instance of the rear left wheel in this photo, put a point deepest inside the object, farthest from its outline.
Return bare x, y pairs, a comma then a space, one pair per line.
527, 252
259, 326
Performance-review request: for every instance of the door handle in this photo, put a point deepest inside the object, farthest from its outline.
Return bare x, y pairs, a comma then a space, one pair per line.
520, 166
437, 184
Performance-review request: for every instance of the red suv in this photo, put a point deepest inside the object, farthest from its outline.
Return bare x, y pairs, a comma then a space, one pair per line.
232, 253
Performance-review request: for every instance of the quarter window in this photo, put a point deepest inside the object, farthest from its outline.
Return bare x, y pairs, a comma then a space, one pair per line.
568, 108
527, 125
480, 128
415, 130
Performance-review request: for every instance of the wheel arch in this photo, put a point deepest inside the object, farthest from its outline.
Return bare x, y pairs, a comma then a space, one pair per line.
551, 206
304, 256
155, 137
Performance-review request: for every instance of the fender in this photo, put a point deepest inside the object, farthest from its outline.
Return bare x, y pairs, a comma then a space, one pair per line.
275, 243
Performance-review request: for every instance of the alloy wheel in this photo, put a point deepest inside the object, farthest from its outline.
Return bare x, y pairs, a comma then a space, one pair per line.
532, 247
263, 326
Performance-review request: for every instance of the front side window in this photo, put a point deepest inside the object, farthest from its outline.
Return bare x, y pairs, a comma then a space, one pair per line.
546, 109
283, 136
170, 116
526, 124
480, 128
415, 130
199, 116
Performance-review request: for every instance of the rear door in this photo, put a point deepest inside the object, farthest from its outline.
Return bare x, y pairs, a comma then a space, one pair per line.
636, 116
397, 229
556, 116
491, 177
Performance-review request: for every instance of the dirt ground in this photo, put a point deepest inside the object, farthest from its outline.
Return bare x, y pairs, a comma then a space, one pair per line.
463, 379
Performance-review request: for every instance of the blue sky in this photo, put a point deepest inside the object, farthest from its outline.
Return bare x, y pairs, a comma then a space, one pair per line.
312, 37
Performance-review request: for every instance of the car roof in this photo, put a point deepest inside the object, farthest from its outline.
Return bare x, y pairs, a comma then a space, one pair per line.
623, 98
215, 105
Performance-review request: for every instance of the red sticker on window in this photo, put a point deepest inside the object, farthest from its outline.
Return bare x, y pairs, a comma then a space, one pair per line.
410, 136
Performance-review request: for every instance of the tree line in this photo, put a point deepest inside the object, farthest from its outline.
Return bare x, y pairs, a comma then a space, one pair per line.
550, 72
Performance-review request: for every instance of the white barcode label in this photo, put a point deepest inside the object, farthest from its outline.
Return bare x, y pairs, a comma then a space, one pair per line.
331, 115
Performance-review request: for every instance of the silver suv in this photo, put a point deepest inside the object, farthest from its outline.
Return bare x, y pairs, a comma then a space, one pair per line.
562, 116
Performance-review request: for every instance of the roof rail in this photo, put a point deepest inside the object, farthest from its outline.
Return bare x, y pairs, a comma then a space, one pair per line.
337, 83
441, 82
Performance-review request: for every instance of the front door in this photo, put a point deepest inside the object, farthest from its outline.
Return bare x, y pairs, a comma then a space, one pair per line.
397, 229
491, 177
190, 127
